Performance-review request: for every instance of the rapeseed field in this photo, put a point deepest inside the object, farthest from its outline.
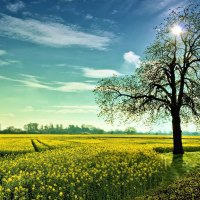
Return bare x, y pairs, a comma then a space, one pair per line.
81, 167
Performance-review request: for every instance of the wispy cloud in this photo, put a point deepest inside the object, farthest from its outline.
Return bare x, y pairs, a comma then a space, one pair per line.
15, 7
34, 82
114, 12
68, 109
2, 63
67, 0
159, 6
174, 5
73, 86
49, 33
88, 16
61, 65
99, 73
8, 62
75, 109
2, 52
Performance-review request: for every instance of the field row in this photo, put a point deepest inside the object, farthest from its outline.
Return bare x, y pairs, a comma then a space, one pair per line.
28, 145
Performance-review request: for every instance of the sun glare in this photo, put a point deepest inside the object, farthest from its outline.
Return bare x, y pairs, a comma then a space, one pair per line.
177, 30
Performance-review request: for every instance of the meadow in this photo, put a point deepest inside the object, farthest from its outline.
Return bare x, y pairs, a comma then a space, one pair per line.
94, 166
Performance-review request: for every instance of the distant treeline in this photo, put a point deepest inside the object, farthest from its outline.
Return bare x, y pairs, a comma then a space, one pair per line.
35, 128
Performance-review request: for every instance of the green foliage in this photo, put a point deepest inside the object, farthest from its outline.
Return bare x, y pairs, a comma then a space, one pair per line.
167, 82
35, 128
166, 85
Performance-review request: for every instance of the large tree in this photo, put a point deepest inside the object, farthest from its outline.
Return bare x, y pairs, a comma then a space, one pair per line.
167, 84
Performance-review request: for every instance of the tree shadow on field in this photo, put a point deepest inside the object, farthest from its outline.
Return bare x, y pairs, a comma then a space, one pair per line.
178, 164
174, 171
176, 168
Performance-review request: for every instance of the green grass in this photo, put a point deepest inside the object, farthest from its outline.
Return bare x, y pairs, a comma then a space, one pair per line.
181, 181
186, 187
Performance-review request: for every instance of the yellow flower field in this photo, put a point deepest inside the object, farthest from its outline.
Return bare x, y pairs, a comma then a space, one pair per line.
81, 167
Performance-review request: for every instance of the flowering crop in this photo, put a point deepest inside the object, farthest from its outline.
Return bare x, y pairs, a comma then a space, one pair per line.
82, 168
15, 145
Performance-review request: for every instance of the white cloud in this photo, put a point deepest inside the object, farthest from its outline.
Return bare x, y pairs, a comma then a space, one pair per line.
61, 65
73, 87
76, 109
99, 73
131, 58
2, 63
50, 33
15, 7
151, 8
2, 52
5, 78
28, 109
8, 62
33, 82
77, 106
88, 16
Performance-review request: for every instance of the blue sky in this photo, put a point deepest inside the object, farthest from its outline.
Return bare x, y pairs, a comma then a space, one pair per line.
52, 53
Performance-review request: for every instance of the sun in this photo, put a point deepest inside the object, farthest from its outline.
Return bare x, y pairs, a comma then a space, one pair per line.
177, 30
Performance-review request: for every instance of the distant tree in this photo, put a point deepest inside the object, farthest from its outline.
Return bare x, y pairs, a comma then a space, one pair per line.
46, 129
59, 128
41, 129
32, 127
130, 130
73, 129
10, 129
167, 84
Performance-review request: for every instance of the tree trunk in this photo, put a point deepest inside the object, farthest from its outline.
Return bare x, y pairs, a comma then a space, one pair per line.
177, 134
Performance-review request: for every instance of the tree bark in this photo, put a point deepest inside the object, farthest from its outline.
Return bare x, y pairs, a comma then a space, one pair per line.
177, 134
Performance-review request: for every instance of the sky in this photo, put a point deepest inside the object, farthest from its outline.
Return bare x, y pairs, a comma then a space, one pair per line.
53, 52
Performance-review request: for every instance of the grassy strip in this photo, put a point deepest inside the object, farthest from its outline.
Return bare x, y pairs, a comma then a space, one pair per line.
187, 187
39, 146
35, 146
182, 169
169, 149
44, 144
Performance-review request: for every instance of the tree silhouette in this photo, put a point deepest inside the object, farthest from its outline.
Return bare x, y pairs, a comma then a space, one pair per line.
167, 84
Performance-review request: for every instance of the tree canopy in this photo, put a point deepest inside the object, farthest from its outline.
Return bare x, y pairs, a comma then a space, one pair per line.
168, 81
